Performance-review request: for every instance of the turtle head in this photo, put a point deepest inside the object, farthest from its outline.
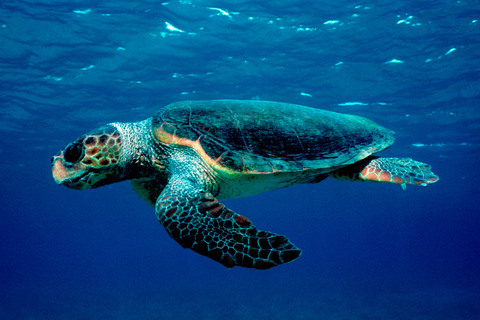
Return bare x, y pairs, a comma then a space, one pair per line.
91, 161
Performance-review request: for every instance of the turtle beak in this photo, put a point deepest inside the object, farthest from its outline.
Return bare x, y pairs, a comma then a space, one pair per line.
59, 172
64, 173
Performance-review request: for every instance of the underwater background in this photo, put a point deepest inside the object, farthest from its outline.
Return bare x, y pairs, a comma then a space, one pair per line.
370, 251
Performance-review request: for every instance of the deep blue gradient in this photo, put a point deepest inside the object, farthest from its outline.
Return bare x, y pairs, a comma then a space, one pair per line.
370, 251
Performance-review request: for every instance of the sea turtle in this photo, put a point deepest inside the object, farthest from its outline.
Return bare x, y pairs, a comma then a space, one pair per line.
191, 154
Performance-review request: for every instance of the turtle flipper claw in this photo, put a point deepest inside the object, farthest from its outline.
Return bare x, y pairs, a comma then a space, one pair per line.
200, 223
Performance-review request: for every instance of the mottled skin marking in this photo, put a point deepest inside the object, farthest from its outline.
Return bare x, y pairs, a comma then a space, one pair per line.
192, 153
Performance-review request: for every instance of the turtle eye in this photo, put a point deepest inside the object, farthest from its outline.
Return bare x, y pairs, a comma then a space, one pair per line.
73, 152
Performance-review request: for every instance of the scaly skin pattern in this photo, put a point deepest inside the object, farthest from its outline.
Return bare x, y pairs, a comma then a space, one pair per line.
400, 171
196, 220
103, 149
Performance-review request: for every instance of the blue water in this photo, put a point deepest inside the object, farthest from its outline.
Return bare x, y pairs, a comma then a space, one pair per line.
370, 251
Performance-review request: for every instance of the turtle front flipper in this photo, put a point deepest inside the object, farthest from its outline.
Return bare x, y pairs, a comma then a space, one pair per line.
401, 171
197, 221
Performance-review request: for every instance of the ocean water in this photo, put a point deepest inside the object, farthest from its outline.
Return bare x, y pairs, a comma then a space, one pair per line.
370, 251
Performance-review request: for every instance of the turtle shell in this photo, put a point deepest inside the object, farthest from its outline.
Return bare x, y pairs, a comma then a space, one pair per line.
266, 137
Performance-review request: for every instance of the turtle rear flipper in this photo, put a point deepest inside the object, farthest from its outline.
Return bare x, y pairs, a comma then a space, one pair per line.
401, 171
197, 221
